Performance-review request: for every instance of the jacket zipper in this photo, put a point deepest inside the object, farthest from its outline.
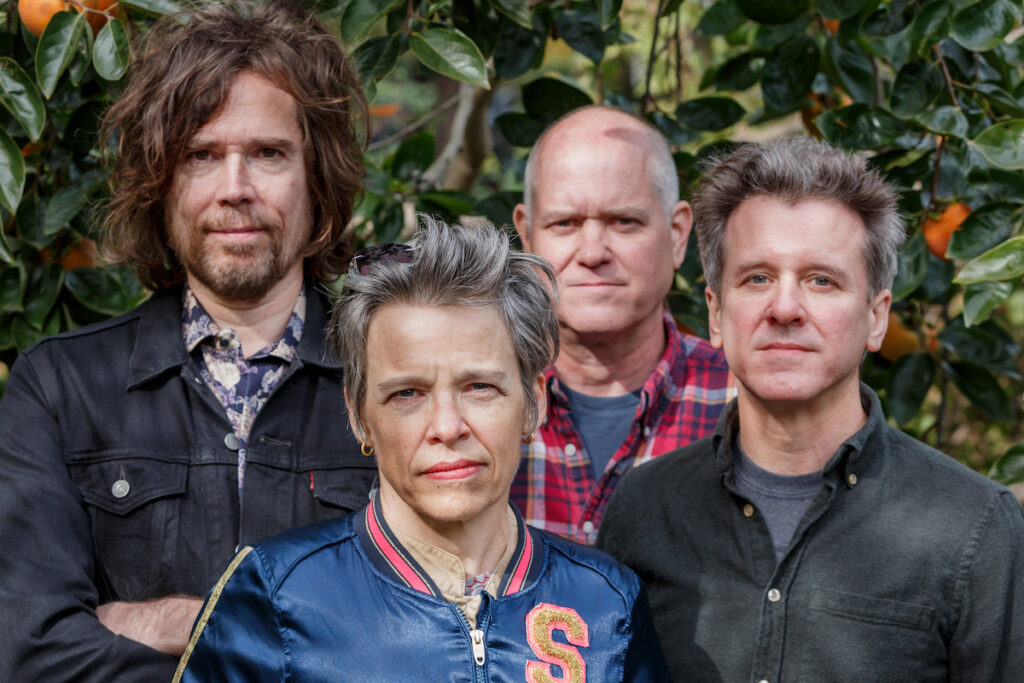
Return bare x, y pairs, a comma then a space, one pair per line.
476, 636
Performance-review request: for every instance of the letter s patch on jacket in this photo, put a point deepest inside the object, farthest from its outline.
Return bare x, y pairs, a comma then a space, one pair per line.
541, 622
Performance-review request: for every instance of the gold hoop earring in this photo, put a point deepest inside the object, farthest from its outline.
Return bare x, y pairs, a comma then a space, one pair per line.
366, 449
528, 439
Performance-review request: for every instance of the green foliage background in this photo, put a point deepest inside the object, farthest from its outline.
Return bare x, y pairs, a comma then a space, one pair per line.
932, 92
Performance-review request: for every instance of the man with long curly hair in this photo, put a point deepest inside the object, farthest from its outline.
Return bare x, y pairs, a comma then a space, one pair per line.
136, 455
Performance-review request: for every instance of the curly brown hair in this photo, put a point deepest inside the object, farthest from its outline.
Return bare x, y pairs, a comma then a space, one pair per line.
179, 80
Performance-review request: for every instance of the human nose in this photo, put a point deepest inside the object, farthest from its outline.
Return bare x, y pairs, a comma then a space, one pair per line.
592, 250
447, 423
235, 181
786, 306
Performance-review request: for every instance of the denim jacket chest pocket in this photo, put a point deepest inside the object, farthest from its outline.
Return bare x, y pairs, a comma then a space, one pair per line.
850, 637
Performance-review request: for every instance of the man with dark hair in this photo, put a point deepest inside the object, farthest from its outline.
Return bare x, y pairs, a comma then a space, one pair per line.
807, 539
136, 455
601, 203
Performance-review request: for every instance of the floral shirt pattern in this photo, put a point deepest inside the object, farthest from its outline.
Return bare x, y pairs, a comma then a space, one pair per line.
242, 385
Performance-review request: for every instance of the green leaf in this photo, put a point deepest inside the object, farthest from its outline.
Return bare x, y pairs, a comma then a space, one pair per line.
359, 17
581, 29
498, 207
452, 54
852, 69
452, 202
24, 334
773, 11
859, 127
413, 156
1009, 468
983, 229
110, 52
984, 297
1004, 262
608, 10
788, 73
1002, 145
19, 95
909, 380
44, 284
62, 207
518, 50
519, 11
12, 172
57, 48
547, 99
986, 345
710, 113
721, 18
12, 289
984, 24
155, 7
839, 9
1003, 101
917, 85
739, 73
376, 58
944, 120
520, 130
930, 26
5, 250
97, 289
912, 266
983, 390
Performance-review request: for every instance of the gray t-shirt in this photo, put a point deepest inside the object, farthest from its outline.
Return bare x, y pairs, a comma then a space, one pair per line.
782, 500
603, 422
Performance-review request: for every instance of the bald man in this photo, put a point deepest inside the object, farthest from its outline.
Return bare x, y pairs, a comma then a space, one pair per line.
601, 203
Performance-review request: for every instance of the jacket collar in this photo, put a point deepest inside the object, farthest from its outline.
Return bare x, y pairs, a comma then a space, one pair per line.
386, 553
159, 347
860, 446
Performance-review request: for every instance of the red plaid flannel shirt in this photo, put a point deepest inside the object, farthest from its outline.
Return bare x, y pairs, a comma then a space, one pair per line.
679, 403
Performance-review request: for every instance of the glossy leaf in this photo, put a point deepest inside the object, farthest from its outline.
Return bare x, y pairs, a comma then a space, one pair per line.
24, 334
376, 58
983, 229
986, 345
917, 85
97, 289
852, 69
930, 26
912, 266
155, 7
773, 11
517, 10
519, 130
710, 113
788, 73
12, 289
1002, 145
57, 48
859, 126
359, 17
5, 250
452, 54
62, 207
983, 390
1002, 101
720, 18
518, 50
1004, 262
413, 156
839, 9
12, 172
581, 29
450, 202
44, 283
944, 120
1009, 468
19, 95
739, 73
110, 52
983, 25
547, 99
608, 11
984, 297
909, 380
498, 207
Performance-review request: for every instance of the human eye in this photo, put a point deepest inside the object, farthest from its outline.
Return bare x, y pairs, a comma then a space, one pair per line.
757, 279
198, 156
482, 389
626, 221
822, 281
269, 153
403, 394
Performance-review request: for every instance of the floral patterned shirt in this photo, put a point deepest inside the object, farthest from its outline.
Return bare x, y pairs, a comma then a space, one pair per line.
242, 385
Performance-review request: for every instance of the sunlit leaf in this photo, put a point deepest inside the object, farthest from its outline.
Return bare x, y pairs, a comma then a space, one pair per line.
1004, 262
710, 113
451, 54
110, 52
18, 93
983, 229
984, 297
57, 47
1002, 145
983, 25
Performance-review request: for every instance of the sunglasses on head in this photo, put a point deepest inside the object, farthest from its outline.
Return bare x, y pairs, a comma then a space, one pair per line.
366, 258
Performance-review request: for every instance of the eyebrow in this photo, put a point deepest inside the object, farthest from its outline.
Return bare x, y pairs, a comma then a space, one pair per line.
827, 269
277, 142
496, 377
637, 212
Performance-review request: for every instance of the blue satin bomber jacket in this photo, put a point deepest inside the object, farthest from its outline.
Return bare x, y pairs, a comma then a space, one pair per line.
343, 600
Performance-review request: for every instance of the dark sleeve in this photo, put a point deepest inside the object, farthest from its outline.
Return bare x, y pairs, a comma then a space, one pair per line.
645, 662
237, 636
988, 643
616, 526
48, 592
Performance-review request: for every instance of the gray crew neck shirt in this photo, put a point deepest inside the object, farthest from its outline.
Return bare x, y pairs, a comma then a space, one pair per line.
604, 422
781, 499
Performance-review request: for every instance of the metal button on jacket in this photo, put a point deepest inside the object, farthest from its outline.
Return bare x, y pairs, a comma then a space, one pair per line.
231, 441
120, 488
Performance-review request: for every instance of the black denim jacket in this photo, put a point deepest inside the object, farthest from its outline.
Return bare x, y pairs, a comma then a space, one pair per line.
117, 482
906, 567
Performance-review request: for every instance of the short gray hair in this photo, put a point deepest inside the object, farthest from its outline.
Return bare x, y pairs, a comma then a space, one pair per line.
794, 170
452, 265
660, 164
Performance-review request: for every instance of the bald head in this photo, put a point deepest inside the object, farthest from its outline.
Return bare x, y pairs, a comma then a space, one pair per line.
599, 126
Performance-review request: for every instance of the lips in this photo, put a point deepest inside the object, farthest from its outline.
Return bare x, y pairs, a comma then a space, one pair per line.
458, 469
